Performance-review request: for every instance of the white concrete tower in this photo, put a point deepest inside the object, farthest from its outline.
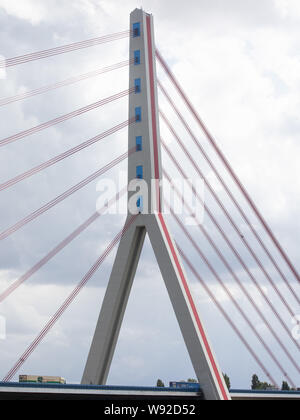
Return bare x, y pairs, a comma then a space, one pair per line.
145, 164
144, 170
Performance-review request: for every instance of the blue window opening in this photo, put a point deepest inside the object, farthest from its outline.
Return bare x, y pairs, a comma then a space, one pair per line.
139, 204
137, 57
139, 144
138, 114
139, 172
137, 85
136, 29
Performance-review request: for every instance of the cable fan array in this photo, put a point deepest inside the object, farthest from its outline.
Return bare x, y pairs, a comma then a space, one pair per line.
283, 336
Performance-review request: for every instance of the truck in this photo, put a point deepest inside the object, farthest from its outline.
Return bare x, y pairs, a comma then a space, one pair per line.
41, 379
185, 385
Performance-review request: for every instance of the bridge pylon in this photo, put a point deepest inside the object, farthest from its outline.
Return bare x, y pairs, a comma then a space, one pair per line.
145, 201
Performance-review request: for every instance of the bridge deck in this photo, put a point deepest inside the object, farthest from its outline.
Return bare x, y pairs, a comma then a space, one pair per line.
264, 395
26, 391
53, 391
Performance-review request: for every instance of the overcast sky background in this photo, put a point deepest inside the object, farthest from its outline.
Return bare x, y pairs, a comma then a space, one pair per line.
239, 62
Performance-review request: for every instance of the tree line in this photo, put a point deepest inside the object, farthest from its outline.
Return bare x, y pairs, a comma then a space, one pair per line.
264, 386
256, 384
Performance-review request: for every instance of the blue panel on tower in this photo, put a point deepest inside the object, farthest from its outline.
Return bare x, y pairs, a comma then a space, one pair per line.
139, 204
139, 172
138, 114
139, 143
137, 85
136, 29
137, 57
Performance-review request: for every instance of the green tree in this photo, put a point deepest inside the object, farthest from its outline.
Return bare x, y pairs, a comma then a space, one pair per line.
255, 382
285, 386
227, 381
192, 381
257, 385
160, 383
265, 386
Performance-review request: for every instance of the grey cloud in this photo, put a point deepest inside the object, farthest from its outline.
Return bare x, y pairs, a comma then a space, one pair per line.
166, 351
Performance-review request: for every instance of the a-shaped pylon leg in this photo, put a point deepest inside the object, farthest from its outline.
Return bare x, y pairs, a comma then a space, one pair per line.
114, 306
202, 357
116, 298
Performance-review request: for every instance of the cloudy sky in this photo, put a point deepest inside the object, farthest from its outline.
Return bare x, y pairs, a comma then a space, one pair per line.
239, 63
